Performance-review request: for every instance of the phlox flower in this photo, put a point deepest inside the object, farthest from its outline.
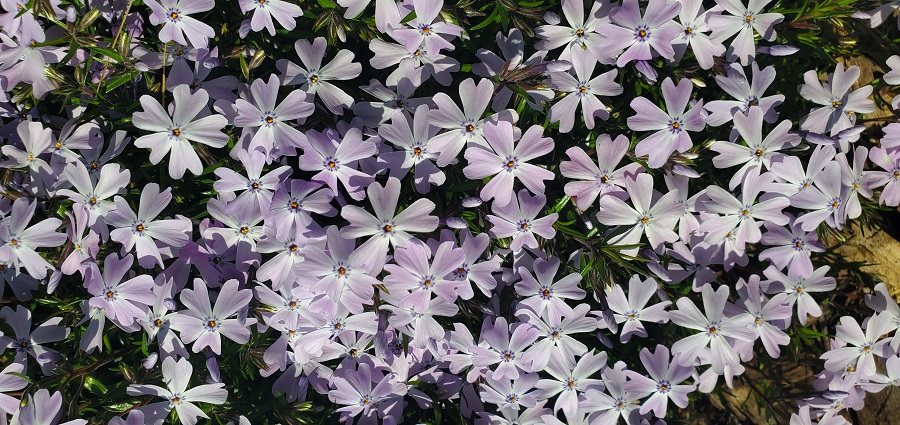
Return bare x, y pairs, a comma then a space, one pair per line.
23, 61
598, 179
508, 163
393, 100
806, 418
510, 393
792, 178
743, 21
464, 126
177, 376
568, 382
219, 88
557, 344
474, 268
178, 26
888, 176
824, 199
387, 14
125, 301
255, 189
18, 241
747, 93
663, 384
314, 78
582, 90
293, 204
582, 32
856, 179
84, 247
513, 66
738, 217
633, 310
270, 119
242, 230
339, 272
28, 342
425, 31
19, 20
696, 260
839, 104
862, 346
416, 318
157, 322
337, 160
671, 127
798, 288
759, 152
641, 36
388, 55
544, 295
290, 251
518, 219
94, 197
36, 140
8, 383
142, 231
504, 350
386, 227
614, 402
174, 133
419, 276
412, 140
537, 415
285, 13
692, 18
880, 14
204, 324
655, 219
42, 408
714, 327
354, 390
766, 317
791, 248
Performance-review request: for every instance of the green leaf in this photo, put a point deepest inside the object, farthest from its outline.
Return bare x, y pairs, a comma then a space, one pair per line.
110, 53
118, 81
95, 386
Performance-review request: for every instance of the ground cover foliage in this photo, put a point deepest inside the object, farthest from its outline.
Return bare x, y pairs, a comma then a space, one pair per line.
428, 211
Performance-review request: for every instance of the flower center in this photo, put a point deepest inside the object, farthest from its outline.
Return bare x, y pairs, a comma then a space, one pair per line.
245, 230
417, 151
93, 200
270, 120
140, 228
582, 89
110, 294
579, 32
759, 153
341, 271
313, 79
836, 104
158, 323
388, 228
176, 132
211, 323
645, 219
470, 128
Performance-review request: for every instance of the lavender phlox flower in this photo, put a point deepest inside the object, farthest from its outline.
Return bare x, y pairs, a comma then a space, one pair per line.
243, 230
510, 393
582, 32
19, 240
671, 127
878, 381
95, 157
696, 260
93, 197
633, 310
889, 161
211, 254
743, 21
464, 126
125, 301
738, 217
137, 417
20, 21
716, 330
688, 223
891, 138
291, 251
746, 92
255, 189
474, 268
569, 381
178, 26
219, 88
36, 140
337, 160
177, 376
663, 384
42, 408
557, 345
536, 415
354, 390
203, 324
881, 301
545, 296
283, 305
28, 342
839, 104
157, 320
791, 248
692, 18
518, 219
174, 132
641, 36
862, 346
419, 276
24, 61
504, 350
598, 179
293, 204
825, 199
284, 12
767, 318
340, 273
10, 382
798, 288
759, 152
805, 417
514, 68
22, 284
508, 163
607, 406
72, 136
424, 31
655, 219
412, 139
142, 231
328, 321
271, 119
408, 63
313, 77
387, 14
790, 171
892, 77
880, 14
386, 227
582, 90
392, 101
